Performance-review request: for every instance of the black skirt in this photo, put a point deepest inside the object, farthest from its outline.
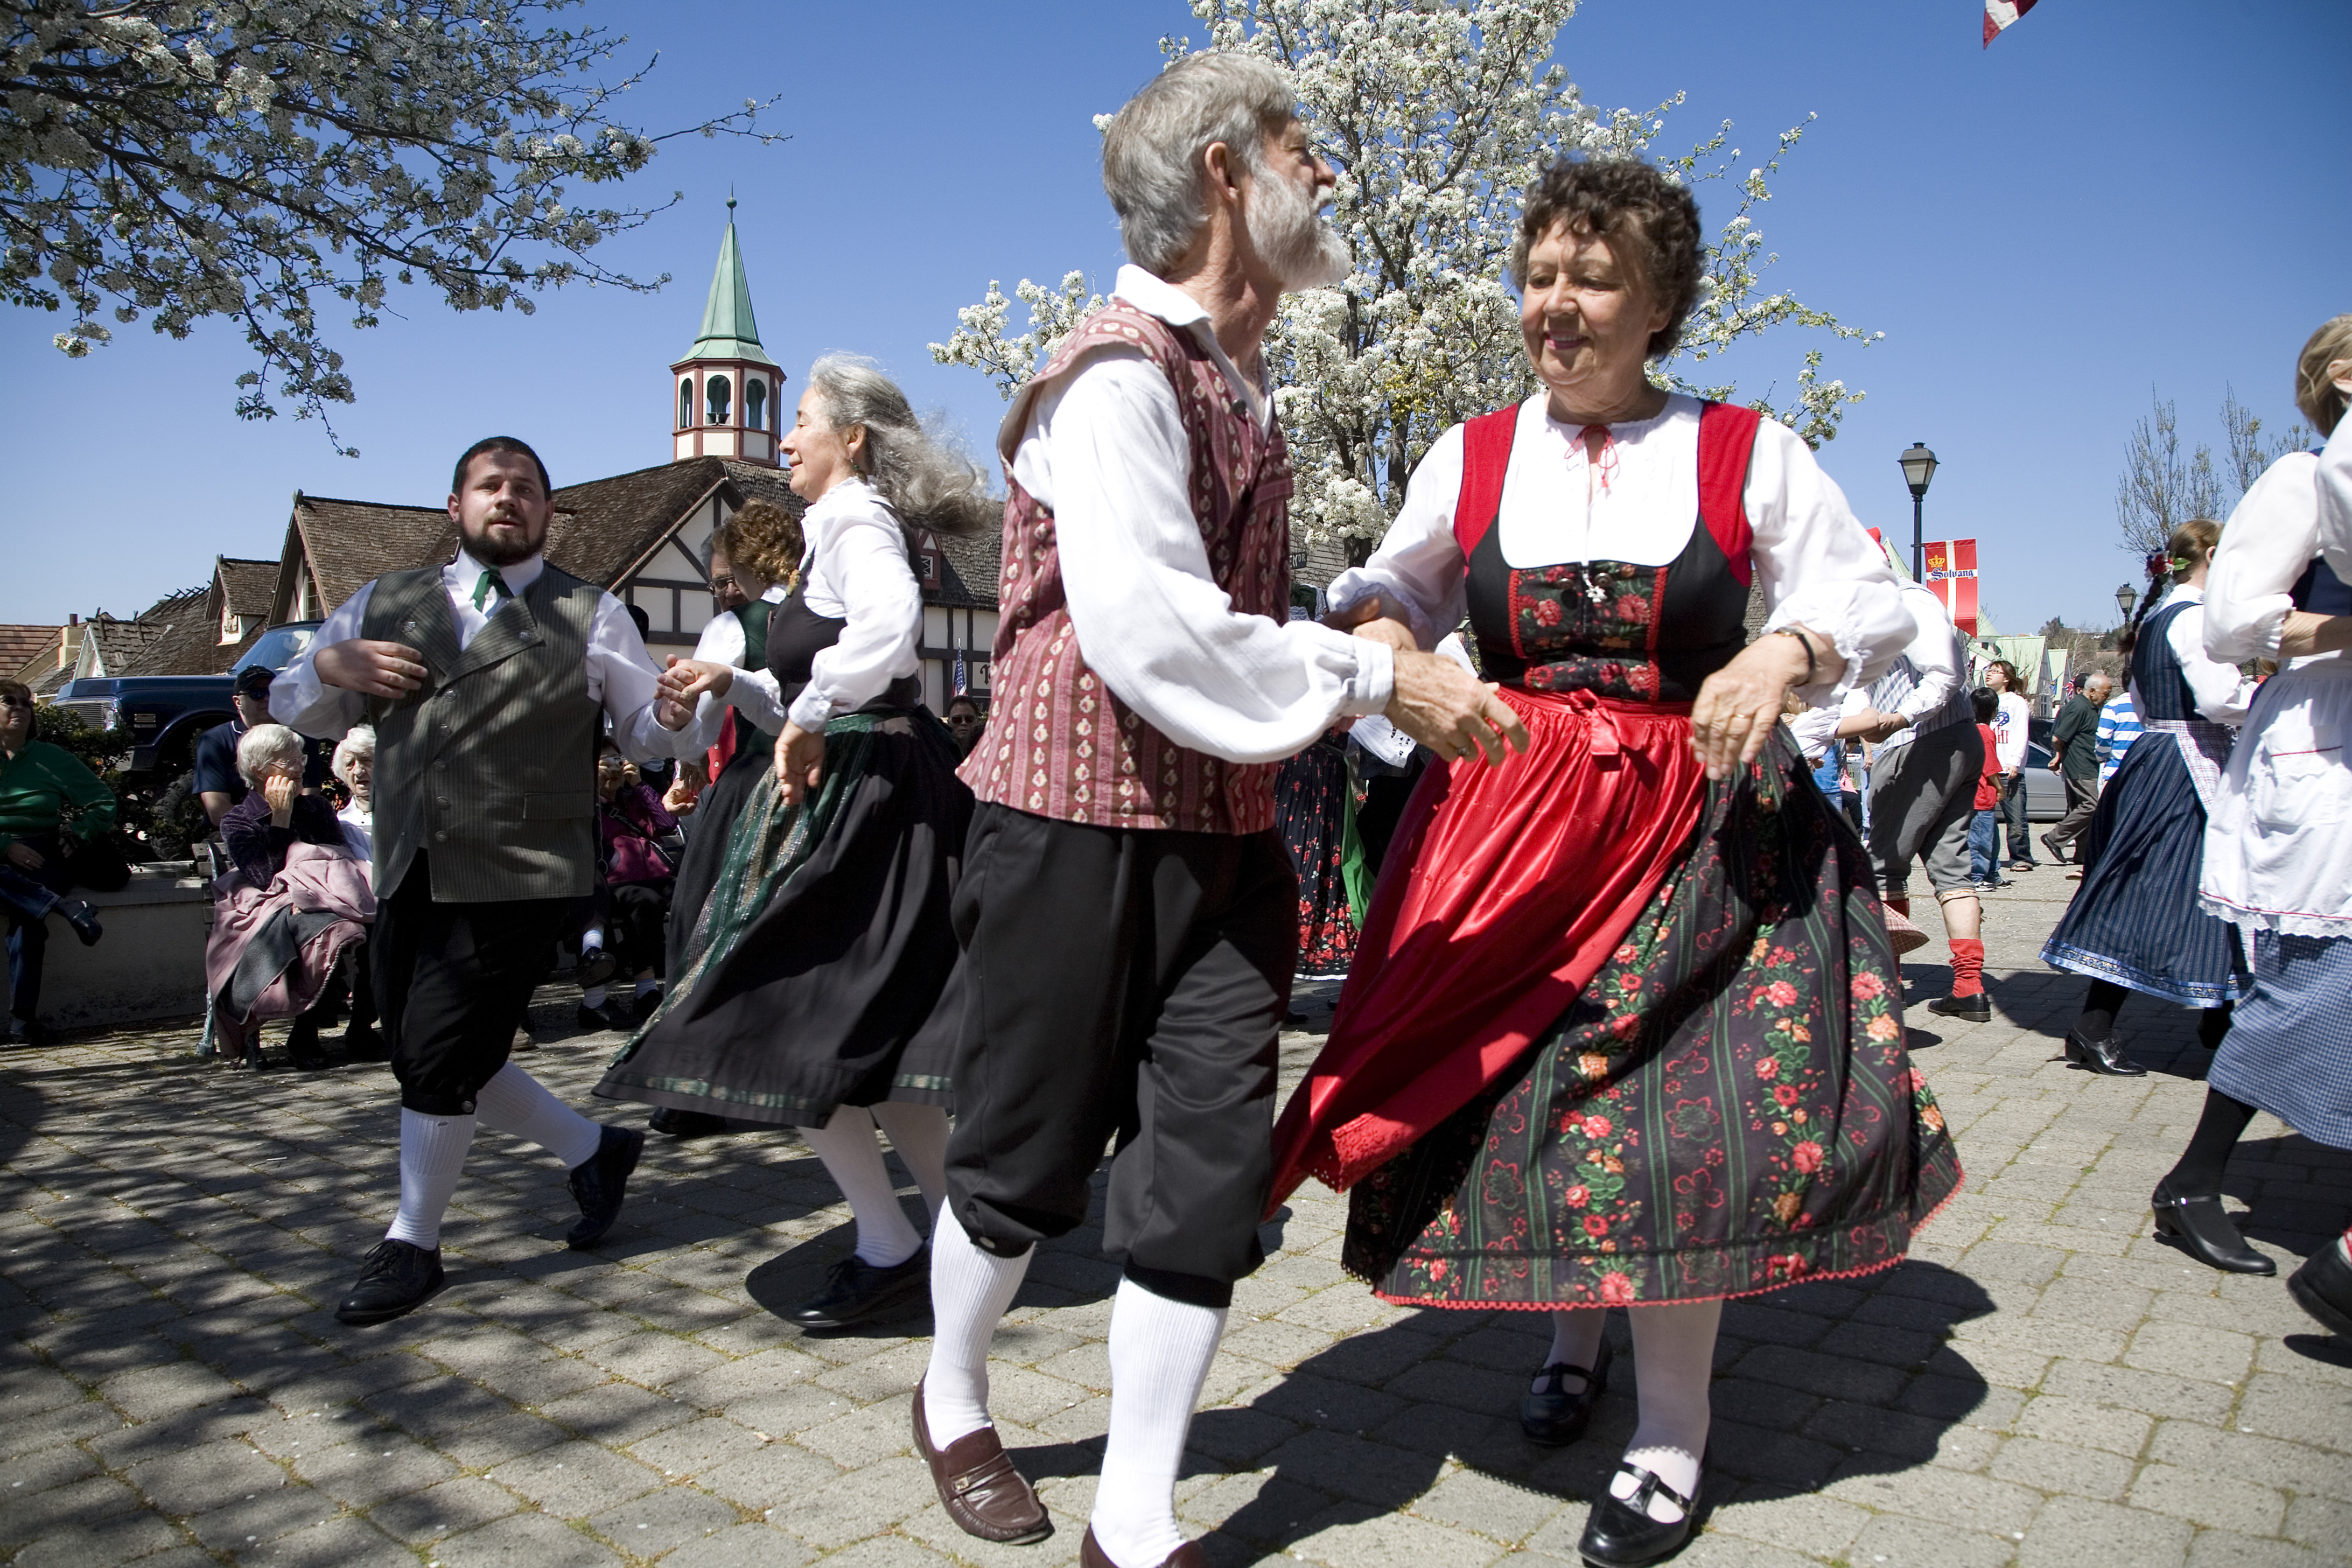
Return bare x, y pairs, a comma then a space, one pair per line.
820, 971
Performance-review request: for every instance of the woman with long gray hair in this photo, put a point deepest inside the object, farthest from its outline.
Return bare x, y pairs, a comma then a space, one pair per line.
815, 990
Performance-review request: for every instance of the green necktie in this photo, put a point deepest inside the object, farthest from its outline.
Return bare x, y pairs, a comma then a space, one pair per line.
491, 582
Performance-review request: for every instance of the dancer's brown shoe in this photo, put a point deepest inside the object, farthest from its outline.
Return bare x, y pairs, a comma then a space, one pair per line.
979, 1487
1092, 1556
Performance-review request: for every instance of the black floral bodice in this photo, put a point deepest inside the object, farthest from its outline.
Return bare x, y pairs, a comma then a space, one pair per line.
1640, 634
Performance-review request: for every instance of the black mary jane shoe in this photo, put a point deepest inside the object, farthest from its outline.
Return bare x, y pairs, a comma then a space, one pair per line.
600, 1181
1622, 1534
856, 1290
397, 1277
2323, 1286
83, 919
2203, 1229
2102, 1055
672, 1122
1973, 1009
596, 967
1551, 1415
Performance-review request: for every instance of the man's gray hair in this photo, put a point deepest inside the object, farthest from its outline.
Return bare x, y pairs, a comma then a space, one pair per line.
264, 746
928, 483
1151, 152
358, 745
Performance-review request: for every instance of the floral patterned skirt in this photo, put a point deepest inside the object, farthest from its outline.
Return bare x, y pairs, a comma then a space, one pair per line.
1313, 809
1726, 1107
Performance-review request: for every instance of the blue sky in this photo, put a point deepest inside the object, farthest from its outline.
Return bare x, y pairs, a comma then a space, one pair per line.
2119, 195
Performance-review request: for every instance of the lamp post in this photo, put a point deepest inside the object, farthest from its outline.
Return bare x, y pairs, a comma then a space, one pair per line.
2126, 597
1918, 467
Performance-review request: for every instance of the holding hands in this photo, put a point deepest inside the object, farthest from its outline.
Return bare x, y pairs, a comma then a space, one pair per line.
1434, 699
800, 763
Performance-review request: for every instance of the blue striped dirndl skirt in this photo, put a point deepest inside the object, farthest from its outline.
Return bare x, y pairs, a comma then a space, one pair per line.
2136, 920
2289, 1049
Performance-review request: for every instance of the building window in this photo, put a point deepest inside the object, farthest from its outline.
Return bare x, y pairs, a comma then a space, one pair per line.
716, 393
686, 403
755, 404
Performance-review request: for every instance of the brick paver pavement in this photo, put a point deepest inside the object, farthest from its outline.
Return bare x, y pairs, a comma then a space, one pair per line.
2041, 1383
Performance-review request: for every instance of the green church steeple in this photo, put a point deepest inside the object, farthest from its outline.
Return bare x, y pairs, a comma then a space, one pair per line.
729, 330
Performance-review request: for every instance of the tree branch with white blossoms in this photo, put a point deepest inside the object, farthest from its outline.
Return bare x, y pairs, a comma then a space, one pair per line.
1437, 115
252, 159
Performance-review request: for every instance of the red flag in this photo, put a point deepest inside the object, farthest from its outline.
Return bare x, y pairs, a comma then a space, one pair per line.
1951, 567
2000, 14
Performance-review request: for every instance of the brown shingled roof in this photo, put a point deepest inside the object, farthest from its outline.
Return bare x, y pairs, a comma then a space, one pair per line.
249, 584
605, 526
19, 646
972, 560
351, 543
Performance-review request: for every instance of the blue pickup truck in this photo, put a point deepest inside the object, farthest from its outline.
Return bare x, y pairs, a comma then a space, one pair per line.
165, 714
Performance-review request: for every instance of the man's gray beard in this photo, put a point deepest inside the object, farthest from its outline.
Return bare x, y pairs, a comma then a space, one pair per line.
482, 548
1304, 251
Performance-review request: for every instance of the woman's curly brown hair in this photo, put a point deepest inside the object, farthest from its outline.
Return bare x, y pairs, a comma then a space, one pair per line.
764, 537
1649, 222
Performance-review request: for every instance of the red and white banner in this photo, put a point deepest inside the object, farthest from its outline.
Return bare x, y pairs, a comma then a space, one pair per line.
2000, 14
1950, 568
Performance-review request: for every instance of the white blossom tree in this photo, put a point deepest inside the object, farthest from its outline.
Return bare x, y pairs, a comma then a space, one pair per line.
1436, 114
176, 160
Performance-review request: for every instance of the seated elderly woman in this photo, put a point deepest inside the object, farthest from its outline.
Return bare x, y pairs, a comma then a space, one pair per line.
355, 764
630, 909
39, 784
296, 902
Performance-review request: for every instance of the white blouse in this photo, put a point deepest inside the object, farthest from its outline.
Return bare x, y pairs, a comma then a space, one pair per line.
2222, 693
754, 692
1815, 562
2271, 539
855, 568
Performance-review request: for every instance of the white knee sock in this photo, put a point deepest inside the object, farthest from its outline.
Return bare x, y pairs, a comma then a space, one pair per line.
516, 1103
1159, 1356
919, 1134
854, 1160
970, 1291
1575, 1341
592, 997
431, 1157
1674, 1357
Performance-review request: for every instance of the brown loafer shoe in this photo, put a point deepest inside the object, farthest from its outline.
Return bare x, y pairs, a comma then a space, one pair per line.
981, 1489
1092, 1556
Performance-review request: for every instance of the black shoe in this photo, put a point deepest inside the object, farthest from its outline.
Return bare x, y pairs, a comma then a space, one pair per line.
672, 1123
2104, 1055
32, 1032
363, 1044
302, 1047
600, 1181
1554, 1416
2204, 1230
397, 1277
1975, 1009
2323, 1286
605, 1019
2057, 850
83, 919
596, 967
856, 1290
1622, 1534
641, 1007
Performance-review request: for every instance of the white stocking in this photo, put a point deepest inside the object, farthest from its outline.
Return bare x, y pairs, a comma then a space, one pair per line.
1575, 1341
431, 1157
516, 1103
854, 1160
919, 1134
970, 1291
1674, 1357
1159, 1356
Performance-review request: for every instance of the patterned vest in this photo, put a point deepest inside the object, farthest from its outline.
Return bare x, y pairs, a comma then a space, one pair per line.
1058, 743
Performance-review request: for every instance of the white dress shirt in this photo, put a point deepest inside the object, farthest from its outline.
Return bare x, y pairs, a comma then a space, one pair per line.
2271, 538
620, 674
1815, 562
757, 699
359, 834
1937, 663
1105, 448
2222, 693
854, 569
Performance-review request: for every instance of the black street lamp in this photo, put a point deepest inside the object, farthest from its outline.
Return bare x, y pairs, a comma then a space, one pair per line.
2126, 597
1918, 467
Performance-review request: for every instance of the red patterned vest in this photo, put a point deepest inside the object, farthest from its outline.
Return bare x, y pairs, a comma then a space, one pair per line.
1058, 743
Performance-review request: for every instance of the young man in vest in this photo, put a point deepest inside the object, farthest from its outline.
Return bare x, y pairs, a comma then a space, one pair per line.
488, 680
1147, 683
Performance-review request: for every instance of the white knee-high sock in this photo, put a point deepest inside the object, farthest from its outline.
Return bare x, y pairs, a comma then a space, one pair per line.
1575, 1341
970, 1291
1673, 1356
1159, 1356
919, 1134
431, 1157
854, 1160
516, 1103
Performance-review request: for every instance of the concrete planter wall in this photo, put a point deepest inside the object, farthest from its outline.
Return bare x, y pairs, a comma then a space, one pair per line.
149, 966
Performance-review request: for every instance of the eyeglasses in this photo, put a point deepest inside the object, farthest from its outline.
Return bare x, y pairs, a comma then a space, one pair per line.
721, 583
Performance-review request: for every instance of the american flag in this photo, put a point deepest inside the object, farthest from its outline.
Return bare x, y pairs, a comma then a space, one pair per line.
960, 685
2000, 14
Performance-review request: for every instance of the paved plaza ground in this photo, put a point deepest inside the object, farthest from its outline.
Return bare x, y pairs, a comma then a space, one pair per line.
2041, 1382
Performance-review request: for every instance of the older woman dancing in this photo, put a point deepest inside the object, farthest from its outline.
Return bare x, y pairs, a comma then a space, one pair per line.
815, 992
1623, 1026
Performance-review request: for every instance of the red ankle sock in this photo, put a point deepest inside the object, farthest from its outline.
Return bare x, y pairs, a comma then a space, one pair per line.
1968, 966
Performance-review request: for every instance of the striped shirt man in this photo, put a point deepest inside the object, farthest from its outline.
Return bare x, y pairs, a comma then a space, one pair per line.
2119, 726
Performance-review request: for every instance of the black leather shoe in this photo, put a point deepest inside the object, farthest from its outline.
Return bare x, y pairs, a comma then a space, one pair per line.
302, 1047
397, 1277
2203, 1229
363, 1044
672, 1123
2057, 850
2323, 1286
602, 1020
1622, 1534
1555, 1417
600, 1181
1975, 1009
856, 1290
83, 919
596, 967
2104, 1055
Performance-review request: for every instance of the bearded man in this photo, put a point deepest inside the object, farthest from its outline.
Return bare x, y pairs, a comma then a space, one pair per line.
1147, 684
488, 681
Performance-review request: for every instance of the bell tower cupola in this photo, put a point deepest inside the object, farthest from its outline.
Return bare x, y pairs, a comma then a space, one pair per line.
726, 394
